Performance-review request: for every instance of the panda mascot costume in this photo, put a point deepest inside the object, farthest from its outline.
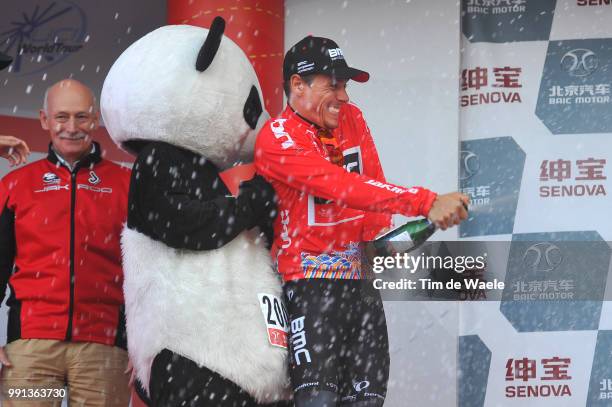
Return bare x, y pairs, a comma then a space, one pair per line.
186, 102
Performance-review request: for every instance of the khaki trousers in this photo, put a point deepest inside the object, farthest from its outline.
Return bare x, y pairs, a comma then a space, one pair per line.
93, 373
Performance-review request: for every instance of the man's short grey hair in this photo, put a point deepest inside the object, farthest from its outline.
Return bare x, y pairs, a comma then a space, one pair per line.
46, 101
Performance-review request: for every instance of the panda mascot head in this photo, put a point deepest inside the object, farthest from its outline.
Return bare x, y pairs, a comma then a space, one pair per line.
187, 103
189, 87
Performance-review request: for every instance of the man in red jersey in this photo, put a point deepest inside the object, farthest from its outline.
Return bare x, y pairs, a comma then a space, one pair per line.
320, 158
60, 225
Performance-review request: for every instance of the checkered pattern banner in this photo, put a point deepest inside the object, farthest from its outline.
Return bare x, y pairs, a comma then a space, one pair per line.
536, 149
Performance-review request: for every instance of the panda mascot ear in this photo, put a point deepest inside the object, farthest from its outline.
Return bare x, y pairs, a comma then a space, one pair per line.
252, 107
211, 44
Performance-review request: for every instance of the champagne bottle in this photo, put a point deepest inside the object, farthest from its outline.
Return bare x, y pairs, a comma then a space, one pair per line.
405, 238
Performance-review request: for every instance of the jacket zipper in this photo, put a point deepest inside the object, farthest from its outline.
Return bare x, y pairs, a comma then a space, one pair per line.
72, 210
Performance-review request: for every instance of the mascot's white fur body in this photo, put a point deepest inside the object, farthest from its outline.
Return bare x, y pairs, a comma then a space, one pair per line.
219, 323
202, 305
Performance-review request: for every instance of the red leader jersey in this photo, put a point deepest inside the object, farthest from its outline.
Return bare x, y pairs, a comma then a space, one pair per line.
60, 250
325, 209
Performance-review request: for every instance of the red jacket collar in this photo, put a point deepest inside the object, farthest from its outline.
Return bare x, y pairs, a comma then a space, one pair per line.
292, 113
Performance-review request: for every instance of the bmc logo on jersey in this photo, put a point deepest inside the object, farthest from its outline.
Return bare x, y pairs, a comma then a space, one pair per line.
298, 341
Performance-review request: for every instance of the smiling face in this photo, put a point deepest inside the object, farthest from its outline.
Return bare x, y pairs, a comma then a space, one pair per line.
320, 100
70, 117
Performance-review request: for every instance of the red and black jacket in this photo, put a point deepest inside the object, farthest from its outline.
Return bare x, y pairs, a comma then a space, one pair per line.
60, 250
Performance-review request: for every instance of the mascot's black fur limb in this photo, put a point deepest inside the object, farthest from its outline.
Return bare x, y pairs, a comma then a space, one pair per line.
195, 257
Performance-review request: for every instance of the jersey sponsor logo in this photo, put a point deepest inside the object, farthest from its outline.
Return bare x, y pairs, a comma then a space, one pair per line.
278, 129
285, 232
51, 178
391, 188
54, 188
332, 215
352, 163
359, 387
328, 215
93, 178
352, 159
298, 341
95, 189
322, 201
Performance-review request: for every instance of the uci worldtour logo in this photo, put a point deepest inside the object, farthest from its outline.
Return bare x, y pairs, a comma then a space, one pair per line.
579, 62
542, 257
44, 35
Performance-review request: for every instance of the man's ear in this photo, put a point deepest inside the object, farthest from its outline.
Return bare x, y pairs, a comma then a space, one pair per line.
42, 115
297, 84
96, 120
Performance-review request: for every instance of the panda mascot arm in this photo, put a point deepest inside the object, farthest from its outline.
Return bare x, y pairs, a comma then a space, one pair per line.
177, 197
186, 102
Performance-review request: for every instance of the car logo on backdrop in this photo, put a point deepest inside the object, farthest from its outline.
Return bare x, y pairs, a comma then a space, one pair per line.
470, 164
579, 62
543, 256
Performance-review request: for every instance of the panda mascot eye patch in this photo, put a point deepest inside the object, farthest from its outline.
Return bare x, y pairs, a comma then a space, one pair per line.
186, 102
252, 108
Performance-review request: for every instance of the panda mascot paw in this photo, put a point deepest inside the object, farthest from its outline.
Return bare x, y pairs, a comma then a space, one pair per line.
186, 102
